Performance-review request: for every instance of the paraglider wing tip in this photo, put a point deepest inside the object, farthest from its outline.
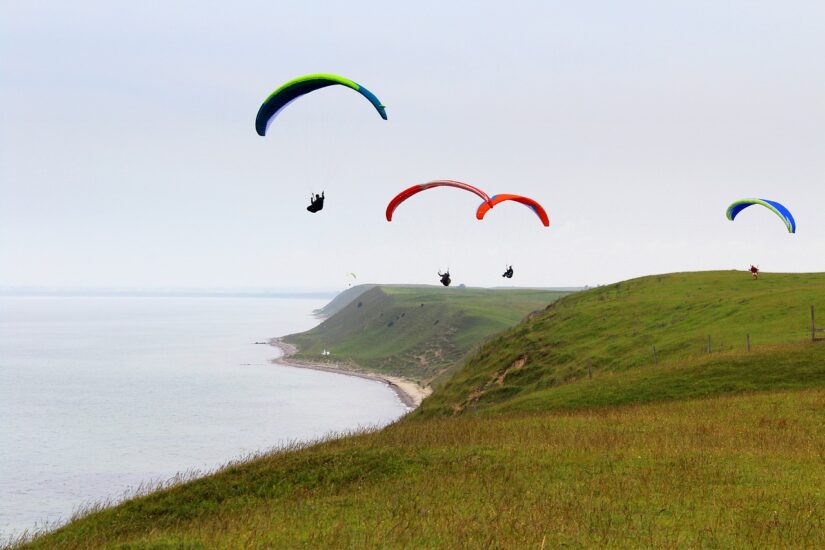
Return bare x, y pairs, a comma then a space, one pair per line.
260, 127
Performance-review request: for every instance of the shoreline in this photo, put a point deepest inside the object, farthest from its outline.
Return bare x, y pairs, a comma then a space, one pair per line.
410, 393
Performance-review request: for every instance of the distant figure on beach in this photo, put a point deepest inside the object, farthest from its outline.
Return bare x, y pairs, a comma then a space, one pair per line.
316, 203
754, 271
508, 273
445, 278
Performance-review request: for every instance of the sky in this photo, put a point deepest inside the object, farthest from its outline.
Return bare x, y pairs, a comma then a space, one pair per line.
129, 158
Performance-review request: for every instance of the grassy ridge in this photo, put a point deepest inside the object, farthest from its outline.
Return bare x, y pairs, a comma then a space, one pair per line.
343, 298
722, 473
640, 455
416, 332
614, 328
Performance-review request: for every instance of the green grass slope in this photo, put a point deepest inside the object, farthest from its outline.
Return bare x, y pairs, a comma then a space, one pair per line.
416, 332
731, 472
614, 329
719, 450
341, 300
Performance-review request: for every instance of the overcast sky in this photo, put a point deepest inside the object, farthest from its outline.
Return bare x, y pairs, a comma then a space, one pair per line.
129, 158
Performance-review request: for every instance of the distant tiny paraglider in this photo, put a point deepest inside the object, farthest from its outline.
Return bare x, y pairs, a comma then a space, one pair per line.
508, 272
445, 277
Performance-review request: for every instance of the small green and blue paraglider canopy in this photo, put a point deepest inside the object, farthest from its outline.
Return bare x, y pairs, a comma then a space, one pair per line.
775, 207
297, 87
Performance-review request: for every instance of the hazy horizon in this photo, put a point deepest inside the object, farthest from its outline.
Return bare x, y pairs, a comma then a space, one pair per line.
221, 292
128, 155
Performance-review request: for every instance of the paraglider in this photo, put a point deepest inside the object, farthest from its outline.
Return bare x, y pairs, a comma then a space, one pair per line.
351, 277
508, 273
537, 209
316, 203
292, 90
445, 277
778, 209
409, 192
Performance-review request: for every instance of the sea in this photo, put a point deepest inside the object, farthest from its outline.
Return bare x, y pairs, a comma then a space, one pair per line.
100, 396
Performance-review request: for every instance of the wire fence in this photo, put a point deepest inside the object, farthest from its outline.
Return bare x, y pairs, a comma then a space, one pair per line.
708, 346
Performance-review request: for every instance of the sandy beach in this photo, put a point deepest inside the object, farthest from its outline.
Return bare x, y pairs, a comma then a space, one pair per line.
410, 393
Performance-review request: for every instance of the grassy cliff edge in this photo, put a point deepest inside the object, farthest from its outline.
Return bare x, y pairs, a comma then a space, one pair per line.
560, 431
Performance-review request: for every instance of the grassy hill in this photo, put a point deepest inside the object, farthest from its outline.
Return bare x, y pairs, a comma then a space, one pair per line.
416, 331
613, 329
522, 449
341, 300
728, 472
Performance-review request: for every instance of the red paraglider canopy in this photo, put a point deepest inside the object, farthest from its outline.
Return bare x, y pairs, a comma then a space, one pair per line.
527, 201
407, 193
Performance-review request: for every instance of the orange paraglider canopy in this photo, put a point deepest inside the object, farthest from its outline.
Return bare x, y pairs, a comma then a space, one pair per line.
526, 201
409, 192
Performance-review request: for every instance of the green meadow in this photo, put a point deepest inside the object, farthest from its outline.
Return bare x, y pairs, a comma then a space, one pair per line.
609, 333
561, 431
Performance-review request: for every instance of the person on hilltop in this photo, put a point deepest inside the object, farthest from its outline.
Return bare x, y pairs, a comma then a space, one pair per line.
445, 278
754, 271
508, 273
316, 203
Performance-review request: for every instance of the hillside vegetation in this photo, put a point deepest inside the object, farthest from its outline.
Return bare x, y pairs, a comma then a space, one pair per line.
613, 330
342, 299
725, 473
522, 449
417, 331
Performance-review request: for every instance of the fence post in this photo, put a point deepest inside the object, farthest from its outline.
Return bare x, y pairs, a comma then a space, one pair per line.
748, 342
709, 347
655, 358
813, 325
590, 369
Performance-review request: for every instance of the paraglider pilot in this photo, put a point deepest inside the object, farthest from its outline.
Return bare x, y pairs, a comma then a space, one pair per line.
445, 278
754, 271
508, 273
316, 203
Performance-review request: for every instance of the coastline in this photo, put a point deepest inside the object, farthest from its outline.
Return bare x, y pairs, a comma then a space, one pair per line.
409, 392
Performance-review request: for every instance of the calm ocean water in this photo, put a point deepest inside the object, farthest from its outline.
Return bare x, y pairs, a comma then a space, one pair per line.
100, 394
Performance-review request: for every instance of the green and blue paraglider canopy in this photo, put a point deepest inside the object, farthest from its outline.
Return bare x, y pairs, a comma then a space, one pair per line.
295, 88
777, 208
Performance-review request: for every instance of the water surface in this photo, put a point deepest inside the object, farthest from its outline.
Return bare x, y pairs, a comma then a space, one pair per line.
100, 394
